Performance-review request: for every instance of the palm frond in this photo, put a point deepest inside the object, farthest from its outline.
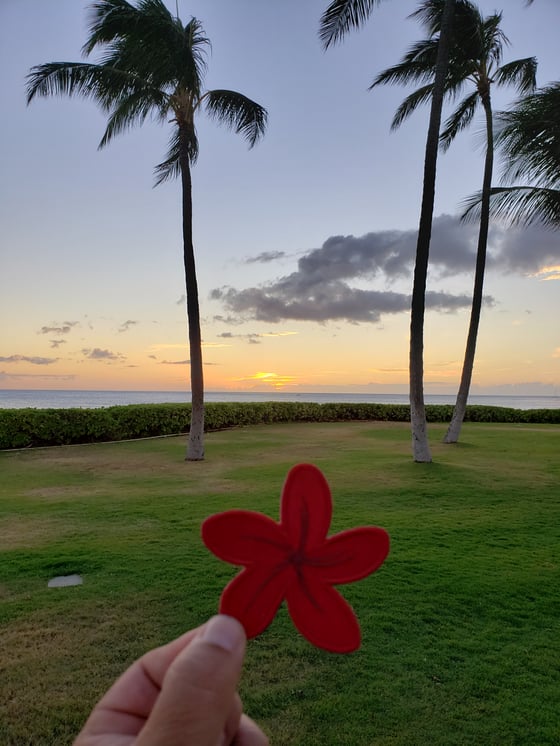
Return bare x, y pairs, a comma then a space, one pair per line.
192, 60
528, 136
166, 55
520, 73
459, 120
473, 38
133, 109
150, 41
410, 104
417, 65
466, 20
170, 168
149, 24
429, 14
103, 84
341, 16
518, 205
109, 19
238, 112
493, 40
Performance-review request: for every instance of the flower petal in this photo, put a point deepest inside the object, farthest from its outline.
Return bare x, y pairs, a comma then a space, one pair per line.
351, 555
306, 507
243, 537
323, 616
253, 596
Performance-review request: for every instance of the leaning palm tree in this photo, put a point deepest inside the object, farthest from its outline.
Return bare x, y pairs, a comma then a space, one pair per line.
341, 16
528, 136
475, 57
153, 65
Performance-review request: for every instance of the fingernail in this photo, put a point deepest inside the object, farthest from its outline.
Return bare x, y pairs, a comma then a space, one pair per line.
223, 631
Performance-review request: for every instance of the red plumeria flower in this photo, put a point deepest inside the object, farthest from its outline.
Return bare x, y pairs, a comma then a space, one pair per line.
294, 560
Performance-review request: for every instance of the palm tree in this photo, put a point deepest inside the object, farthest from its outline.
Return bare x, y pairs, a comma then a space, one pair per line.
475, 57
340, 16
154, 66
528, 136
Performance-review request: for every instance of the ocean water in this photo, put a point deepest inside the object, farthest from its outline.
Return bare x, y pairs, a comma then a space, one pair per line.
18, 399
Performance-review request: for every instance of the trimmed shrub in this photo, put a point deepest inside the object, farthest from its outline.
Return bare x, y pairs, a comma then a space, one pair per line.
25, 428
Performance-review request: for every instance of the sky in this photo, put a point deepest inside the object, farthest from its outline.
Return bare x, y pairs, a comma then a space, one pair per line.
304, 244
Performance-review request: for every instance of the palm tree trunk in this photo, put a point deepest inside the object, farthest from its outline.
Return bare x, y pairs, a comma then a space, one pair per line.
420, 445
195, 447
454, 430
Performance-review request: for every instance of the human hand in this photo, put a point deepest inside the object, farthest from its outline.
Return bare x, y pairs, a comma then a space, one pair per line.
181, 694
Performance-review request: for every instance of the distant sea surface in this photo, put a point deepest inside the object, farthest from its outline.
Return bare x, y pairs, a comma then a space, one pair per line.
94, 399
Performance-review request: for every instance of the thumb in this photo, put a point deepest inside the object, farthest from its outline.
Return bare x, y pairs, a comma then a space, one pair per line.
199, 691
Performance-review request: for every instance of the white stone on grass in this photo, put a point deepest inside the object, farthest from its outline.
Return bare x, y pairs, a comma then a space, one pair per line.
64, 580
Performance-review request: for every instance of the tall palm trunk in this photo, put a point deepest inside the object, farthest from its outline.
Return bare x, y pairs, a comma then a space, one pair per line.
454, 429
195, 447
420, 445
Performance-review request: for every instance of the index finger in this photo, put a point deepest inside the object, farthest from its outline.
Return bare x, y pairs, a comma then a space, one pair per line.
124, 709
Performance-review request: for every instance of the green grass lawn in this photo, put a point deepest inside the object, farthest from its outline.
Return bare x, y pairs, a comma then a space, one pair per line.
461, 625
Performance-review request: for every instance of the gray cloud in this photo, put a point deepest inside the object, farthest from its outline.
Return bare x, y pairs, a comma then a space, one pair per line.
36, 376
326, 302
391, 253
252, 338
99, 354
265, 257
125, 326
527, 250
64, 328
321, 289
230, 320
29, 359
57, 342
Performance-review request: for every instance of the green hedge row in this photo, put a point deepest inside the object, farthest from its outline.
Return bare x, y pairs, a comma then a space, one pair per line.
24, 428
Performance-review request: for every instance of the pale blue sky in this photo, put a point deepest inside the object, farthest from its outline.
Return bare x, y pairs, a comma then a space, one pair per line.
85, 238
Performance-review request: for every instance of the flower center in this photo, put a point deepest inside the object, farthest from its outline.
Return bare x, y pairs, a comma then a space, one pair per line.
297, 558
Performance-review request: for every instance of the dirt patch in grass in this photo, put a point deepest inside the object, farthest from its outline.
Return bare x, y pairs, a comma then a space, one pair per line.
97, 460
48, 691
59, 492
4, 592
27, 532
